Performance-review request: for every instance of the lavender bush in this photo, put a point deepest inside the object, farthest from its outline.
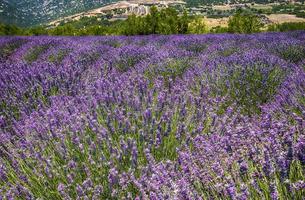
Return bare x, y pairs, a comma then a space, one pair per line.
154, 117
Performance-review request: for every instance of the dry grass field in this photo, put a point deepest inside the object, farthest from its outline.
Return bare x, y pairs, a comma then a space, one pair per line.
281, 18
274, 18
211, 22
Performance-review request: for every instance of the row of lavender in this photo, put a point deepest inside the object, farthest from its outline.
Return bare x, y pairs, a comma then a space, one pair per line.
154, 117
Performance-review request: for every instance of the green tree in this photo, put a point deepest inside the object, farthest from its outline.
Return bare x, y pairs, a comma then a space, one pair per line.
197, 26
64, 30
131, 25
183, 23
168, 23
7, 29
219, 29
2, 29
242, 22
39, 30
152, 20
287, 26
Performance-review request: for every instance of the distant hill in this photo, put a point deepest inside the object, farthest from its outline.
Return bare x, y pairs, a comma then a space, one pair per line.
9, 13
34, 12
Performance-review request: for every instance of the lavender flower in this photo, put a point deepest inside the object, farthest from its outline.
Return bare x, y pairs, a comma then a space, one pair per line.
177, 117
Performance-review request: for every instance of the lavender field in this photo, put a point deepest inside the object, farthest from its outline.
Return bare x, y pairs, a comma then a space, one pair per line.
153, 117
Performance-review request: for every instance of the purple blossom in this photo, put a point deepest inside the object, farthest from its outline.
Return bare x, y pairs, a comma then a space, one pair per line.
153, 117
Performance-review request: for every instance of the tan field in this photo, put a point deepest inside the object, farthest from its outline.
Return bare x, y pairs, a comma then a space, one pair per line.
217, 22
281, 18
274, 18
262, 6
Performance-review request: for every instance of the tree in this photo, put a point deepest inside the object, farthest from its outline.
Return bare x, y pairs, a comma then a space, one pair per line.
6, 29
219, 29
183, 23
242, 22
152, 20
2, 29
198, 26
168, 23
39, 30
131, 25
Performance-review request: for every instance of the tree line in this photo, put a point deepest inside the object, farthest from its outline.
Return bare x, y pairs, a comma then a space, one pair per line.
164, 21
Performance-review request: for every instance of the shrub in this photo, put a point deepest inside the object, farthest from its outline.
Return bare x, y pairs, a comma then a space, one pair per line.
248, 83
35, 52
59, 56
169, 69
292, 53
128, 56
244, 23
7, 49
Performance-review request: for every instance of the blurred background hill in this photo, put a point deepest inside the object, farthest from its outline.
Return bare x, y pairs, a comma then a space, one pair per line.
108, 17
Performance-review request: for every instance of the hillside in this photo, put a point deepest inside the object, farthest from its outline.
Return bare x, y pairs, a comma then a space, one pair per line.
34, 12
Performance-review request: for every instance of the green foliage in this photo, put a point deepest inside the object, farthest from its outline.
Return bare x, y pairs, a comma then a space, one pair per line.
195, 3
153, 20
7, 29
170, 69
289, 8
193, 46
198, 26
255, 88
127, 61
110, 42
134, 26
64, 30
168, 23
287, 26
219, 29
88, 59
95, 161
59, 56
248, 86
229, 51
183, 23
124, 65
39, 30
34, 53
243, 22
165, 21
7, 49
292, 53
9, 111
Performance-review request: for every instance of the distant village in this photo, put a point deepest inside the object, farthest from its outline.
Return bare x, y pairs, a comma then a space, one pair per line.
122, 9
